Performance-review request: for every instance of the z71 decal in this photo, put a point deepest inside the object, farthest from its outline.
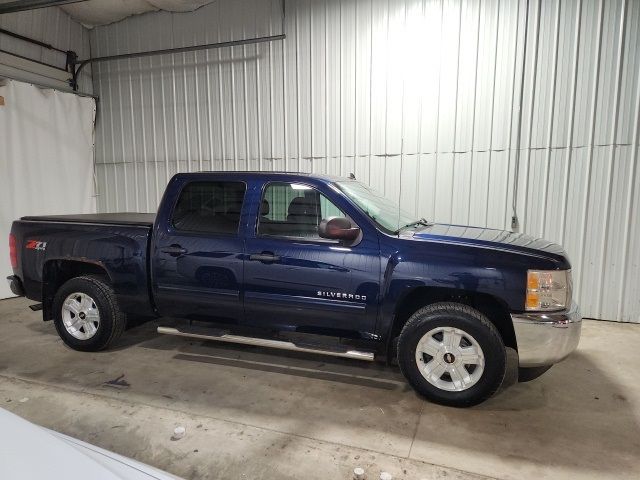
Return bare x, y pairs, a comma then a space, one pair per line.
35, 245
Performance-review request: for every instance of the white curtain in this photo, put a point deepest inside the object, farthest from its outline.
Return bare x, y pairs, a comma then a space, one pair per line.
46, 158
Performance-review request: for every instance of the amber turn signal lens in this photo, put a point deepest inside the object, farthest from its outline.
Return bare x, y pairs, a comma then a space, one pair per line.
533, 300
533, 280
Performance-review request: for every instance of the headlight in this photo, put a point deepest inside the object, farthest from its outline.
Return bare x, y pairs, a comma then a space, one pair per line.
548, 289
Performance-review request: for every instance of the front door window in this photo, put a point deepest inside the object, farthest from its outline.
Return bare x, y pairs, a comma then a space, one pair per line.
294, 210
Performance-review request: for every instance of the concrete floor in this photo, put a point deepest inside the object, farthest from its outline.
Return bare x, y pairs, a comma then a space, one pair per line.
253, 413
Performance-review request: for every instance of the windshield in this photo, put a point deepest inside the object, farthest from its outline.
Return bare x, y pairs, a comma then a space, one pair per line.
384, 212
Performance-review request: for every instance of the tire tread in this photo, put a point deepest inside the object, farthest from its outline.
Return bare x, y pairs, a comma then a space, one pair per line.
119, 318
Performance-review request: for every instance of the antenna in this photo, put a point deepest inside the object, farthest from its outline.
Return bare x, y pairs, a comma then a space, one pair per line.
400, 188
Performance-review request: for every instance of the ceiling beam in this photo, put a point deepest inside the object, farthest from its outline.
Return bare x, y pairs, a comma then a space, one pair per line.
17, 6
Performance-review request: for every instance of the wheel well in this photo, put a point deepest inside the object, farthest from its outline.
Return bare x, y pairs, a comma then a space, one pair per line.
57, 272
494, 309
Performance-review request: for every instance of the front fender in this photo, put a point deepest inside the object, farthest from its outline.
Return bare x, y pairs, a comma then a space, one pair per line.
495, 273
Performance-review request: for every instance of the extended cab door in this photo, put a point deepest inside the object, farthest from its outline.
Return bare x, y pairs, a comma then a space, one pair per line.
197, 250
295, 280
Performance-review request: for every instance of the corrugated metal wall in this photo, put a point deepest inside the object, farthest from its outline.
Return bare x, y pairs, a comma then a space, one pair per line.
418, 98
50, 25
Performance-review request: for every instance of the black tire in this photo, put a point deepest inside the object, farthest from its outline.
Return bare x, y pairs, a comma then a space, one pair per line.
474, 323
112, 320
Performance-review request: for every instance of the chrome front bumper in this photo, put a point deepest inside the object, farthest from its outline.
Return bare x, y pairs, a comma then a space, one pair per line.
546, 338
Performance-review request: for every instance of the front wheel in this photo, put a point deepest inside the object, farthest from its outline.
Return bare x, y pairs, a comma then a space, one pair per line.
452, 354
86, 314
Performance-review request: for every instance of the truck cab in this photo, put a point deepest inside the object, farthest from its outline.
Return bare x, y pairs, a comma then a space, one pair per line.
258, 258
312, 263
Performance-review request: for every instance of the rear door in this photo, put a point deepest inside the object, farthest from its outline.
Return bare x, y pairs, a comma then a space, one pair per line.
197, 253
295, 280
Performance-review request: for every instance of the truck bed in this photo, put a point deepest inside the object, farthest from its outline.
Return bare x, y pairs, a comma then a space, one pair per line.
133, 219
114, 244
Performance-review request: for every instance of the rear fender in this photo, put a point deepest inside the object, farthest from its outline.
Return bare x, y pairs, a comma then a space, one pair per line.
57, 271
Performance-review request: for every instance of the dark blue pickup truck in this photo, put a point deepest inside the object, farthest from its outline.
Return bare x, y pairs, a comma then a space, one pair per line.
309, 263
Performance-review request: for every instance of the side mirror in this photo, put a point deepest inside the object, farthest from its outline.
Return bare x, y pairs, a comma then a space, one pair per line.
338, 228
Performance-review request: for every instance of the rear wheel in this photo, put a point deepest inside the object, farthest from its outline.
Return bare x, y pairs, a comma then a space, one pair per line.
452, 354
86, 314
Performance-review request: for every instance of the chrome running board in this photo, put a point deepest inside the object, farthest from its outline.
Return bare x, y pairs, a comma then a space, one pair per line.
263, 342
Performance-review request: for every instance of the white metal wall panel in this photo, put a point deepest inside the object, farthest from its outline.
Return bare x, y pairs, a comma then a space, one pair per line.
53, 26
419, 98
578, 173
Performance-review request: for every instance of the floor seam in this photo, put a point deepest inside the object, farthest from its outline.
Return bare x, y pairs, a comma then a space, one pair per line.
415, 432
234, 422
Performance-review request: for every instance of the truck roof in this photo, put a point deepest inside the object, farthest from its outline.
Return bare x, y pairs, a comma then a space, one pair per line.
256, 173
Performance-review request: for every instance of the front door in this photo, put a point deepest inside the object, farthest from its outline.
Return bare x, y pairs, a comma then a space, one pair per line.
297, 281
197, 258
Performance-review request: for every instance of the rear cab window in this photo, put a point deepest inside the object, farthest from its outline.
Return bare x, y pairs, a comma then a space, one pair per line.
209, 207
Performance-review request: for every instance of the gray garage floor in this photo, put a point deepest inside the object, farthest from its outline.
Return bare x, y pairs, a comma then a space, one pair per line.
254, 413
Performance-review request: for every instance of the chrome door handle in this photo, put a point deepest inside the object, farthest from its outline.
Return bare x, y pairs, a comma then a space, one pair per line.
174, 250
264, 257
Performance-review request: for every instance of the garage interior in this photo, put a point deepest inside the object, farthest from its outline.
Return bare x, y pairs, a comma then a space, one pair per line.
517, 115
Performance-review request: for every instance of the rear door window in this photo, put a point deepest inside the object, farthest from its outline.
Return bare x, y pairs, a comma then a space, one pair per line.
209, 207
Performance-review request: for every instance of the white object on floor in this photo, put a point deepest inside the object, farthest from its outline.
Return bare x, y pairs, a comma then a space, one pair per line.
178, 433
32, 452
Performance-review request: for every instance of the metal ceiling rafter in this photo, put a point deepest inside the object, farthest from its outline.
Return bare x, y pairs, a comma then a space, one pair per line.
21, 5
77, 65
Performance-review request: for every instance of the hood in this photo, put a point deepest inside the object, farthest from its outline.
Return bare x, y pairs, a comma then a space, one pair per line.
478, 236
30, 452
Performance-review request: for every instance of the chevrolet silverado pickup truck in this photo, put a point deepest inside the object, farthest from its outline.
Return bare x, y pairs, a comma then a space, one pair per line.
311, 263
